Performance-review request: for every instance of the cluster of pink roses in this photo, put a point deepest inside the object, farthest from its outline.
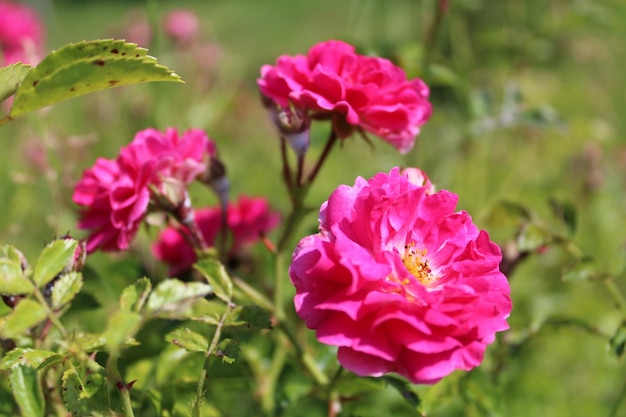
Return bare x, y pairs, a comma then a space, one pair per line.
396, 278
21, 34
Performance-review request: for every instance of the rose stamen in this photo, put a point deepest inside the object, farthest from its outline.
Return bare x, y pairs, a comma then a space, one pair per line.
416, 263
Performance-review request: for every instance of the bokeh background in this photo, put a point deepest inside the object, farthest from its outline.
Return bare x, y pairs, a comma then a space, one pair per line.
528, 129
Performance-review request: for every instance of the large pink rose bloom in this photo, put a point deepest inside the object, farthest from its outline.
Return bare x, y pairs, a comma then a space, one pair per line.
21, 34
247, 220
400, 281
115, 194
364, 92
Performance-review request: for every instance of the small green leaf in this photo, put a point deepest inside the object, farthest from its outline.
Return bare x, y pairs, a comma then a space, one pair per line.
86, 67
207, 311
12, 279
566, 212
532, 237
406, 390
85, 395
27, 357
216, 275
27, 391
508, 213
10, 79
56, 256
90, 342
188, 340
122, 326
66, 288
25, 315
442, 75
251, 317
228, 350
584, 269
134, 296
172, 296
617, 344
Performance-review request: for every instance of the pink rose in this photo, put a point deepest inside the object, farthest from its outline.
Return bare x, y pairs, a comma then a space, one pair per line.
247, 220
182, 26
21, 34
115, 194
399, 281
363, 92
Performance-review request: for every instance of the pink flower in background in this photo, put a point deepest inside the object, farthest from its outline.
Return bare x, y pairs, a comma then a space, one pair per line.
115, 194
357, 91
182, 26
247, 220
21, 34
400, 281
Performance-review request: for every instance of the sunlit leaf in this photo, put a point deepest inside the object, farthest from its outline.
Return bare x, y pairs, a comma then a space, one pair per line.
83, 68
122, 326
53, 259
172, 296
27, 357
27, 391
85, 395
134, 296
188, 340
532, 237
12, 279
66, 288
10, 79
217, 276
25, 315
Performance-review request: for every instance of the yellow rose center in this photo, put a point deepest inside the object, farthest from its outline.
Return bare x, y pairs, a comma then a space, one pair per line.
417, 264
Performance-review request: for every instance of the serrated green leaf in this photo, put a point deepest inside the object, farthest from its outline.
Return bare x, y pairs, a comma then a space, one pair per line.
228, 350
134, 296
216, 275
66, 288
532, 237
188, 340
27, 391
617, 344
26, 314
122, 326
86, 67
84, 395
584, 269
10, 79
26, 357
207, 311
173, 296
12, 279
56, 256
89, 342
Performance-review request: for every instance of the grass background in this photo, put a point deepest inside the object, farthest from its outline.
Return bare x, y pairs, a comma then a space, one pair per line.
528, 106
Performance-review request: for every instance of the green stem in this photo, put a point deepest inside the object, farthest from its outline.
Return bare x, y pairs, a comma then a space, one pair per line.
6, 119
618, 401
610, 284
51, 316
307, 360
116, 378
441, 9
270, 382
279, 287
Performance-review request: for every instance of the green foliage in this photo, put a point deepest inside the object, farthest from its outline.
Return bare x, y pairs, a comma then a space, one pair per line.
28, 313
55, 257
83, 68
85, 394
188, 340
27, 390
10, 79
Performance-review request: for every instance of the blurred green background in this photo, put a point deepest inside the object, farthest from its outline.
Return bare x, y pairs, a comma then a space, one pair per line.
528, 107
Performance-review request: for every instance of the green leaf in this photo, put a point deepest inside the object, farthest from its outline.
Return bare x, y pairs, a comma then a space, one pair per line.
134, 296
27, 357
508, 213
25, 315
89, 342
216, 275
55, 257
617, 344
584, 269
188, 340
10, 79
207, 311
84, 395
12, 279
122, 326
532, 237
83, 68
406, 390
172, 297
66, 288
27, 391
251, 317
228, 350
566, 212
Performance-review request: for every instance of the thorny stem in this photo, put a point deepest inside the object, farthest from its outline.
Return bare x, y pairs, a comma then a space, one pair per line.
286, 168
332, 138
115, 377
51, 316
196, 410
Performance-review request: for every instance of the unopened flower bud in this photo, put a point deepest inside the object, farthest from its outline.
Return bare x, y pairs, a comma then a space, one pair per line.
217, 179
170, 194
293, 125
